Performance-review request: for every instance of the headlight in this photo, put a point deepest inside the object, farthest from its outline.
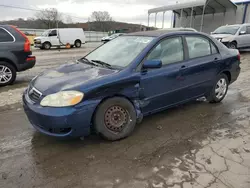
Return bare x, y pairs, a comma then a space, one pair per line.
62, 99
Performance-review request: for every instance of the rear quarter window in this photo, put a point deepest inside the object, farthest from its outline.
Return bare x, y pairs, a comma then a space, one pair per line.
5, 36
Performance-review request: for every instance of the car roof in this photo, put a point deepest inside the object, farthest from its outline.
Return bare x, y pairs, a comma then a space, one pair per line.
157, 33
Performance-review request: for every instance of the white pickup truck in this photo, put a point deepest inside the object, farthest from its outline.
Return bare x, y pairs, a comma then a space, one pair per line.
60, 37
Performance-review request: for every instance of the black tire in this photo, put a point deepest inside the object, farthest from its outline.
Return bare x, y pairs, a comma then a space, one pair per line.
232, 45
78, 44
10, 71
213, 95
46, 46
105, 112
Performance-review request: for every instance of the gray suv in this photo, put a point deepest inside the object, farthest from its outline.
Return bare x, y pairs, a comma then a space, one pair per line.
15, 54
233, 36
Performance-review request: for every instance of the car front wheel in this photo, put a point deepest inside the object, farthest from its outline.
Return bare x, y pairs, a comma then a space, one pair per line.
46, 46
232, 45
219, 90
115, 118
7, 74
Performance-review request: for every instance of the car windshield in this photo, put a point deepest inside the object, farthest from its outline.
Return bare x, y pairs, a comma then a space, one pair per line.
121, 51
227, 30
45, 33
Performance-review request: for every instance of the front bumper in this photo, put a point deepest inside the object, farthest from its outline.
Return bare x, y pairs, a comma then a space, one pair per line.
38, 45
60, 122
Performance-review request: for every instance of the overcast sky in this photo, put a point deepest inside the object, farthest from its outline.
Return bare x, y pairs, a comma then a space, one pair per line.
134, 11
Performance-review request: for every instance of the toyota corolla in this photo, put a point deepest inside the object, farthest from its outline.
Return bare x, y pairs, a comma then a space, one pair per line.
135, 75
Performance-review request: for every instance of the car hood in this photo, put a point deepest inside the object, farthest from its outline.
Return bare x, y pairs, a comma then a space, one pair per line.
40, 38
221, 36
69, 76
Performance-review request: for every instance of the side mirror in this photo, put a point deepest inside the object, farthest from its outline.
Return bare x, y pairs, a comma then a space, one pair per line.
152, 64
242, 32
212, 33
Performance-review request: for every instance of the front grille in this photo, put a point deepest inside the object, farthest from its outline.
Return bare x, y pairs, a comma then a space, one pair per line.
34, 94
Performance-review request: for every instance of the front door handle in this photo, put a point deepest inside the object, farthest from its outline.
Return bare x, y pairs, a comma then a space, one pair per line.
183, 67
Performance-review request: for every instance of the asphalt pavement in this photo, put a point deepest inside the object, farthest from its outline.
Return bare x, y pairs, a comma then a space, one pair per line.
196, 145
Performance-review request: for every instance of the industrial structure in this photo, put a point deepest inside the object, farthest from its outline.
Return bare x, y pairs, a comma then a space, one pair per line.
204, 15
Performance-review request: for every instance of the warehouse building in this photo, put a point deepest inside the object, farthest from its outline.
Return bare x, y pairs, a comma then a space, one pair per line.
204, 15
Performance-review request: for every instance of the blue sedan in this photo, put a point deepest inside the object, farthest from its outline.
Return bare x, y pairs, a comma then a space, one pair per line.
135, 75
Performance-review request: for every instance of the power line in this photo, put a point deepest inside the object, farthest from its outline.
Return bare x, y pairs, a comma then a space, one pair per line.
10, 6
36, 10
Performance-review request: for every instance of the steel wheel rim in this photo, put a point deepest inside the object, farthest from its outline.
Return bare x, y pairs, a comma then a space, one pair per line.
232, 46
78, 44
47, 46
5, 74
116, 118
221, 88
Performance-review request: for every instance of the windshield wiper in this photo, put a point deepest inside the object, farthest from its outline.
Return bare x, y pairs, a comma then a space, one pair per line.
103, 63
84, 59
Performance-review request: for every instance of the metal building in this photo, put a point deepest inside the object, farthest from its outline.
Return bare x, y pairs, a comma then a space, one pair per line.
204, 15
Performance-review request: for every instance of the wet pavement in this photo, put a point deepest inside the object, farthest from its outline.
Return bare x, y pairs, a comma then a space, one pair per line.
196, 145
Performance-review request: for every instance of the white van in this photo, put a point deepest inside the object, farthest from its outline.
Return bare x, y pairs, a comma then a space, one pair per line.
60, 37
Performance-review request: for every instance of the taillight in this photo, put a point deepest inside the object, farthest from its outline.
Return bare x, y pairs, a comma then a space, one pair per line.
238, 56
27, 42
27, 45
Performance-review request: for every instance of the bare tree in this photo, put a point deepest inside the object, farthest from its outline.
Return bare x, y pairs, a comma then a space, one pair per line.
102, 21
49, 17
68, 20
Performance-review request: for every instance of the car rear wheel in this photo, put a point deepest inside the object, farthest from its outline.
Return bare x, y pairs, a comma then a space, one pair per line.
46, 45
7, 74
78, 44
219, 90
115, 118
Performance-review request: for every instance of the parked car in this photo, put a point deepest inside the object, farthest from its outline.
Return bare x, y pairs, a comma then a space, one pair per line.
60, 37
135, 75
111, 37
180, 29
233, 36
15, 54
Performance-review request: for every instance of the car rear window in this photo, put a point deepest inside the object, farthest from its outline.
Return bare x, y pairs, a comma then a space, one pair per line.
5, 36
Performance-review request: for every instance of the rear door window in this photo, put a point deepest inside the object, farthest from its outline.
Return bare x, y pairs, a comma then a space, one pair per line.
5, 36
198, 46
